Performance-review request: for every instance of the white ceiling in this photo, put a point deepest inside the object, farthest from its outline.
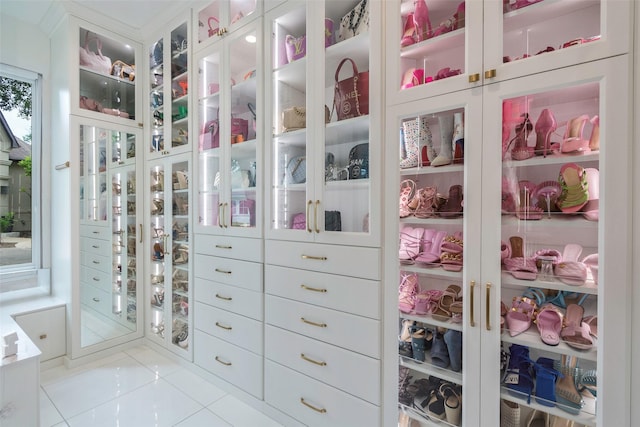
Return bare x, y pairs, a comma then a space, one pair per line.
136, 14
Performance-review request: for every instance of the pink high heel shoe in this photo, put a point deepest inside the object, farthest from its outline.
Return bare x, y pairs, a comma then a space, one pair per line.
521, 150
573, 142
413, 77
545, 126
409, 35
421, 20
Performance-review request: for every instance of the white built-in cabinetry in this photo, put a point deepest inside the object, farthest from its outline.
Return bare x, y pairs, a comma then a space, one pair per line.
492, 93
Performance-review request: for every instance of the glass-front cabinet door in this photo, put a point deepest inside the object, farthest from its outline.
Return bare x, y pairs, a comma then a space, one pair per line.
168, 315
229, 135
220, 17
555, 286
169, 92
108, 222
437, 264
107, 75
324, 161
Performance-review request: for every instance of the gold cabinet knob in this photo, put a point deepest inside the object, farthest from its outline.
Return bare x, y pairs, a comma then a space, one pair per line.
474, 77
489, 74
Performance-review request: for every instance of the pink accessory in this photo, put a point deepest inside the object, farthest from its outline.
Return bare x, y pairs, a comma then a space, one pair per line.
591, 209
407, 292
575, 332
519, 266
410, 239
427, 301
549, 322
573, 141
545, 126
519, 318
591, 261
432, 256
421, 20
570, 270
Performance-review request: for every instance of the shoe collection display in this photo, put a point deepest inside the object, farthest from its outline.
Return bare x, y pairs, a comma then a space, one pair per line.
432, 397
426, 202
417, 24
431, 248
417, 145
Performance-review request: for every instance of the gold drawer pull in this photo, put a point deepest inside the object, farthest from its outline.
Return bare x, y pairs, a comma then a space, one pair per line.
223, 298
96, 279
312, 361
222, 361
319, 258
474, 77
309, 288
320, 325
222, 271
95, 232
489, 74
43, 336
96, 262
228, 328
96, 299
223, 247
95, 246
308, 405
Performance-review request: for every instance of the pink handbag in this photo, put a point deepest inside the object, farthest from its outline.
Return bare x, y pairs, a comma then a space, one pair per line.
209, 136
351, 96
299, 221
296, 47
94, 61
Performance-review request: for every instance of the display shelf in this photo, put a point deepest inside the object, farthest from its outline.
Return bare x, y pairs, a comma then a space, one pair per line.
293, 74
536, 12
431, 270
435, 220
423, 418
531, 338
588, 288
553, 159
586, 417
347, 131
423, 170
428, 319
442, 43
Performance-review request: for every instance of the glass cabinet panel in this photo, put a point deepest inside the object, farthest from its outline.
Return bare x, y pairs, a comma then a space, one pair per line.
550, 246
215, 19
169, 252
289, 152
107, 75
93, 173
156, 95
179, 87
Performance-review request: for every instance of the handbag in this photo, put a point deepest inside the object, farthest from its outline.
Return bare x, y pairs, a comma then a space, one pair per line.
299, 221
296, 47
351, 96
156, 54
355, 22
94, 61
359, 162
123, 70
332, 221
239, 130
328, 32
209, 137
296, 171
213, 31
294, 118
90, 104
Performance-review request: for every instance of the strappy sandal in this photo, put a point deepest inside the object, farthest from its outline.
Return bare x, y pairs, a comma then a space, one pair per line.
410, 239
430, 255
452, 403
427, 301
407, 291
449, 296
526, 209
549, 323
519, 266
424, 201
452, 208
568, 397
575, 332
519, 378
451, 252
407, 190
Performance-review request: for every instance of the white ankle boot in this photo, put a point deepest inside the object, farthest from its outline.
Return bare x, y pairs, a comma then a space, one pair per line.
446, 136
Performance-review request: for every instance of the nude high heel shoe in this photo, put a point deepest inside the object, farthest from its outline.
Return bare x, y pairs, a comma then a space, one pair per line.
457, 144
446, 136
573, 142
545, 126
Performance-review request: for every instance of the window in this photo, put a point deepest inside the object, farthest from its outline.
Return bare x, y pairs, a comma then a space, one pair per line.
22, 260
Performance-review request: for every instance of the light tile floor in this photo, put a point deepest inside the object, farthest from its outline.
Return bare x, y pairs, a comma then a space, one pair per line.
139, 387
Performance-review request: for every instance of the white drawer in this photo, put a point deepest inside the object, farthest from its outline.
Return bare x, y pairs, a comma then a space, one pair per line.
291, 392
229, 247
351, 372
96, 278
47, 330
98, 262
96, 299
96, 246
346, 260
233, 364
356, 296
355, 333
244, 274
239, 330
231, 298
97, 232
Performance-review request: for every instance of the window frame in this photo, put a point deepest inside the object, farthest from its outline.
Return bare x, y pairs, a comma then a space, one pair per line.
36, 274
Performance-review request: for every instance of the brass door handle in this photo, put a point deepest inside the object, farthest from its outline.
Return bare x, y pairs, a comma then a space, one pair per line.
217, 270
318, 258
223, 247
309, 322
472, 286
220, 218
315, 215
223, 298
488, 306
308, 359
308, 405
309, 288
140, 233
309, 203
224, 212
489, 74
474, 77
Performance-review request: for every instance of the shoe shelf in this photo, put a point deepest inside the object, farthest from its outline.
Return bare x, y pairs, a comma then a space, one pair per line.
426, 318
422, 170
432, 221
541, 11
531, 339
553, 159
354, 129
442, 43
423, 418
557, 220
427, 368
586, 417
588, 288
433, 270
